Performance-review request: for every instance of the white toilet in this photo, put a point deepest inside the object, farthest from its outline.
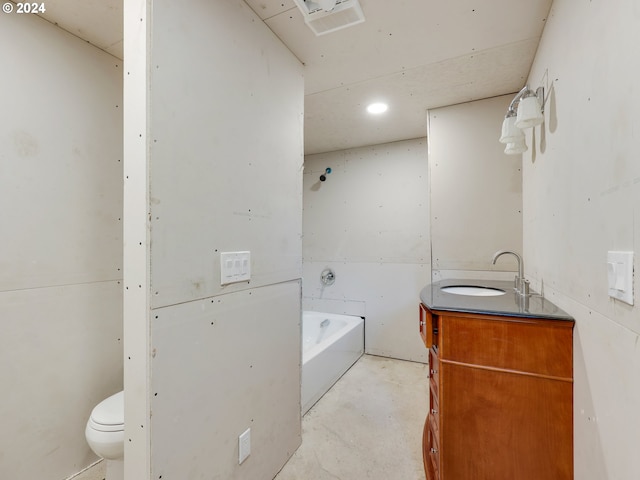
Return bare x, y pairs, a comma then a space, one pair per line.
105, 434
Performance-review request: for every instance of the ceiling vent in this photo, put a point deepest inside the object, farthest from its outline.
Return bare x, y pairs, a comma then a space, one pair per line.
326, 16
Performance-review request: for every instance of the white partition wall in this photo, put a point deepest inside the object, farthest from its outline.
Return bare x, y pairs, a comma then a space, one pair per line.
61, 257
213, 132
137, 239
582, 199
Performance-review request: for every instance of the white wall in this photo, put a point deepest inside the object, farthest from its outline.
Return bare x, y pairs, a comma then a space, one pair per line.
369, 222
61, 260
386, 215
476, 191
213, 163
581, 199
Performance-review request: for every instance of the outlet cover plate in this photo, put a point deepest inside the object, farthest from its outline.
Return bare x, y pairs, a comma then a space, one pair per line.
244, 445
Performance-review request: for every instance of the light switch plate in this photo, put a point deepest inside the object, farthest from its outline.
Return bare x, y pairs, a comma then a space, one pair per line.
235, 267
620, 275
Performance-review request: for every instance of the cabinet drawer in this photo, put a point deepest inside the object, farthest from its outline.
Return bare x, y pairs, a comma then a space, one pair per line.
434, 374
534, 346
433, 451
425, 319
428, 327
434, 412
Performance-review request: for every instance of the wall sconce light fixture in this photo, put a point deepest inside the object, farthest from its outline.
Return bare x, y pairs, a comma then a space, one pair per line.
515, 148
525, 111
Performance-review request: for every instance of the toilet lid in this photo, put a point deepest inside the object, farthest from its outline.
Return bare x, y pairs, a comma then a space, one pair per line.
110, 411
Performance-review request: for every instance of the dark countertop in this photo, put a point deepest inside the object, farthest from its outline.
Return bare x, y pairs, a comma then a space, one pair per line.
511, 304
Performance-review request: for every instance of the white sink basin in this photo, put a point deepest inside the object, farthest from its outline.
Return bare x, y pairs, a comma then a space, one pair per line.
473, 290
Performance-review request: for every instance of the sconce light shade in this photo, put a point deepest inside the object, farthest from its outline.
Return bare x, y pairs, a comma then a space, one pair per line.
510, 133
515, 148
529, 113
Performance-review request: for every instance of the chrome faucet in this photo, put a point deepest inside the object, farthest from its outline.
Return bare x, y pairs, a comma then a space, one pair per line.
520, 284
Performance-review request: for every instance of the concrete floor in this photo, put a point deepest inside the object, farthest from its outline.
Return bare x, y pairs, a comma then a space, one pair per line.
367, 427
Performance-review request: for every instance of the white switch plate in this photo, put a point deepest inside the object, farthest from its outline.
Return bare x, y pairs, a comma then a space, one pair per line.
244, 445
620, 275
235, 267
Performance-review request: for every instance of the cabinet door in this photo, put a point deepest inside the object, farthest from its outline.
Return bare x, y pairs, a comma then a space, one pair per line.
499, 425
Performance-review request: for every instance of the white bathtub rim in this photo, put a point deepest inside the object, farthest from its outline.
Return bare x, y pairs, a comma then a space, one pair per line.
352, 323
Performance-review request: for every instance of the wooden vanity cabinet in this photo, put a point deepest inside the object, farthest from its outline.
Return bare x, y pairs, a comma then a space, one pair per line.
501, 397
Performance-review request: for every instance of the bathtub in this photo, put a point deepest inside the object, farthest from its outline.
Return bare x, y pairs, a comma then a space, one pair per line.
331, 343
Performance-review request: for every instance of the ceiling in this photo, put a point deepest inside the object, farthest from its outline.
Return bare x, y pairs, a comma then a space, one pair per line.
412, 54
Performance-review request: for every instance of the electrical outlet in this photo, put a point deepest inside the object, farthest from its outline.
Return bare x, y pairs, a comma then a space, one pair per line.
244, 445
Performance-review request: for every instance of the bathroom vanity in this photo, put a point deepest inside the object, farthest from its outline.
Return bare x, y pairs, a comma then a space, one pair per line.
501, 384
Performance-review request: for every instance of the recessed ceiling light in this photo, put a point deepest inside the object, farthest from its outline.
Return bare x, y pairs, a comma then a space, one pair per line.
376, 108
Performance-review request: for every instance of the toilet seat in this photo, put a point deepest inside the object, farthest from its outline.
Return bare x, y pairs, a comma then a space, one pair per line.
99, 427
